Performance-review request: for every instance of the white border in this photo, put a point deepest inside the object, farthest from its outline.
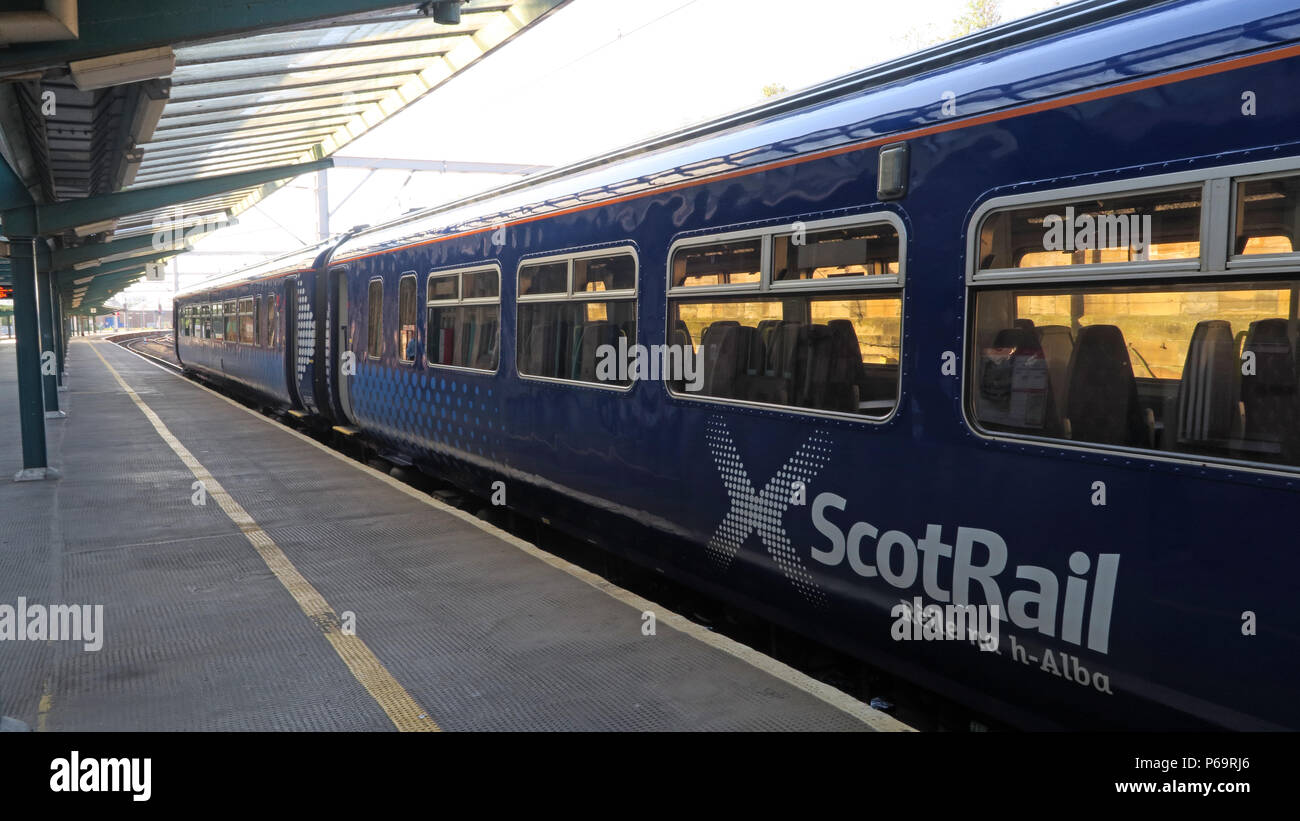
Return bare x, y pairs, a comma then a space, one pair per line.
568, 296
458, 272
807, 287
1217, 231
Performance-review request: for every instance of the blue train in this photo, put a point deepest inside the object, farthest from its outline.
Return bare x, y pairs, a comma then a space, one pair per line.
1005, 327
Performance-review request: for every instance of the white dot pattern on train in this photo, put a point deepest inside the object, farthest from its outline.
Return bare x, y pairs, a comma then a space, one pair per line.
763, 512
306, 332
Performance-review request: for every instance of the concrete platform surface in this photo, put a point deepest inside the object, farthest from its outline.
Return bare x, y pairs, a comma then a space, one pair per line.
235, 614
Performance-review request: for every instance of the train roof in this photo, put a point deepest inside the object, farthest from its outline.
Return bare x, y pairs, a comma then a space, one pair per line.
299, 259
1061, 51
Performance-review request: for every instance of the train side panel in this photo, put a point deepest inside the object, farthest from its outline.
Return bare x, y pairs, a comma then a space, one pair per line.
1165, 568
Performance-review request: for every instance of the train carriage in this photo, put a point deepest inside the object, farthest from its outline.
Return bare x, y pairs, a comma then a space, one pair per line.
1016, 332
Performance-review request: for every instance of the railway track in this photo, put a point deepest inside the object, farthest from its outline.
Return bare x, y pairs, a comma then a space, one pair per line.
157, 348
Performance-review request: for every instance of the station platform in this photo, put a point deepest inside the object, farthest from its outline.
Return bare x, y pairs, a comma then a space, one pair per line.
311, 592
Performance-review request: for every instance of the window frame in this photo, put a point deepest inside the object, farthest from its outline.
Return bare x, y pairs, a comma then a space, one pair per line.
1218, 233
460, 300
380, 336
767, 287
415, 282
1098, 270
227, 312
240, 313
767, 236
1257, 261
632, 295
268, 319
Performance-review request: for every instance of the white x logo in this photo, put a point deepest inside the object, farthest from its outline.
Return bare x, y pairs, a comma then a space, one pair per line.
764, 511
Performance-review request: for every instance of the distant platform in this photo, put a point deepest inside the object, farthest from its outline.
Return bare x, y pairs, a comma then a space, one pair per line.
309, 592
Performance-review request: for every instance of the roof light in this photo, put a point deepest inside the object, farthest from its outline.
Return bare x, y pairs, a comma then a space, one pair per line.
118, 69
446, 12
92, 228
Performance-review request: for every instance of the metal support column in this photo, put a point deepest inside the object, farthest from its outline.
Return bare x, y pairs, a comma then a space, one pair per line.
60, 332
31, 409
49, 374
322, 205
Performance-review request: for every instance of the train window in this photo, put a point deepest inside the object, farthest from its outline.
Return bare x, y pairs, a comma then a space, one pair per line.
462, 328
218, 321
613, 273
838, 352
231, 312
820, 328
245, 307
868, 250
375, 319
723, 263
481, 284
550, 278
562, 339
269, 320
561, 335
1145, 227
1191, 368
1267, 216
407, 346
444, 287
1199, 360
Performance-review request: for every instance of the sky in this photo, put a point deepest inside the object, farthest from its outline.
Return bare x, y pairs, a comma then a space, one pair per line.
591, 77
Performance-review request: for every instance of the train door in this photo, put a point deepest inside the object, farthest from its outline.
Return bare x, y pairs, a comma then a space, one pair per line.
344, 362
289, 317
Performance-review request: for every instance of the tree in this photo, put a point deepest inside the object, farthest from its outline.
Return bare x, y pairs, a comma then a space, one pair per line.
774, 90
979, 14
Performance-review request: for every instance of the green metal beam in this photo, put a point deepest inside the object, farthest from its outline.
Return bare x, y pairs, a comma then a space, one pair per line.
51, 219
13, 194
152, 244
64, 258
134, 264
115, 278
113, 26
97, 296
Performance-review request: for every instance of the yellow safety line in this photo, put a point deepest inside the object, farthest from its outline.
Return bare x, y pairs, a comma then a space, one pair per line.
43, 711
836, 698
402, 709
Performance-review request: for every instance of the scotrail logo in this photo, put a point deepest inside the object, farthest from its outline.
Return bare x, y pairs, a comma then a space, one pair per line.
1077, 611
764, 512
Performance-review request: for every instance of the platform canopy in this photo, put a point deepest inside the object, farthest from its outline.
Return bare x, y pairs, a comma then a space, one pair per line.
118, 117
